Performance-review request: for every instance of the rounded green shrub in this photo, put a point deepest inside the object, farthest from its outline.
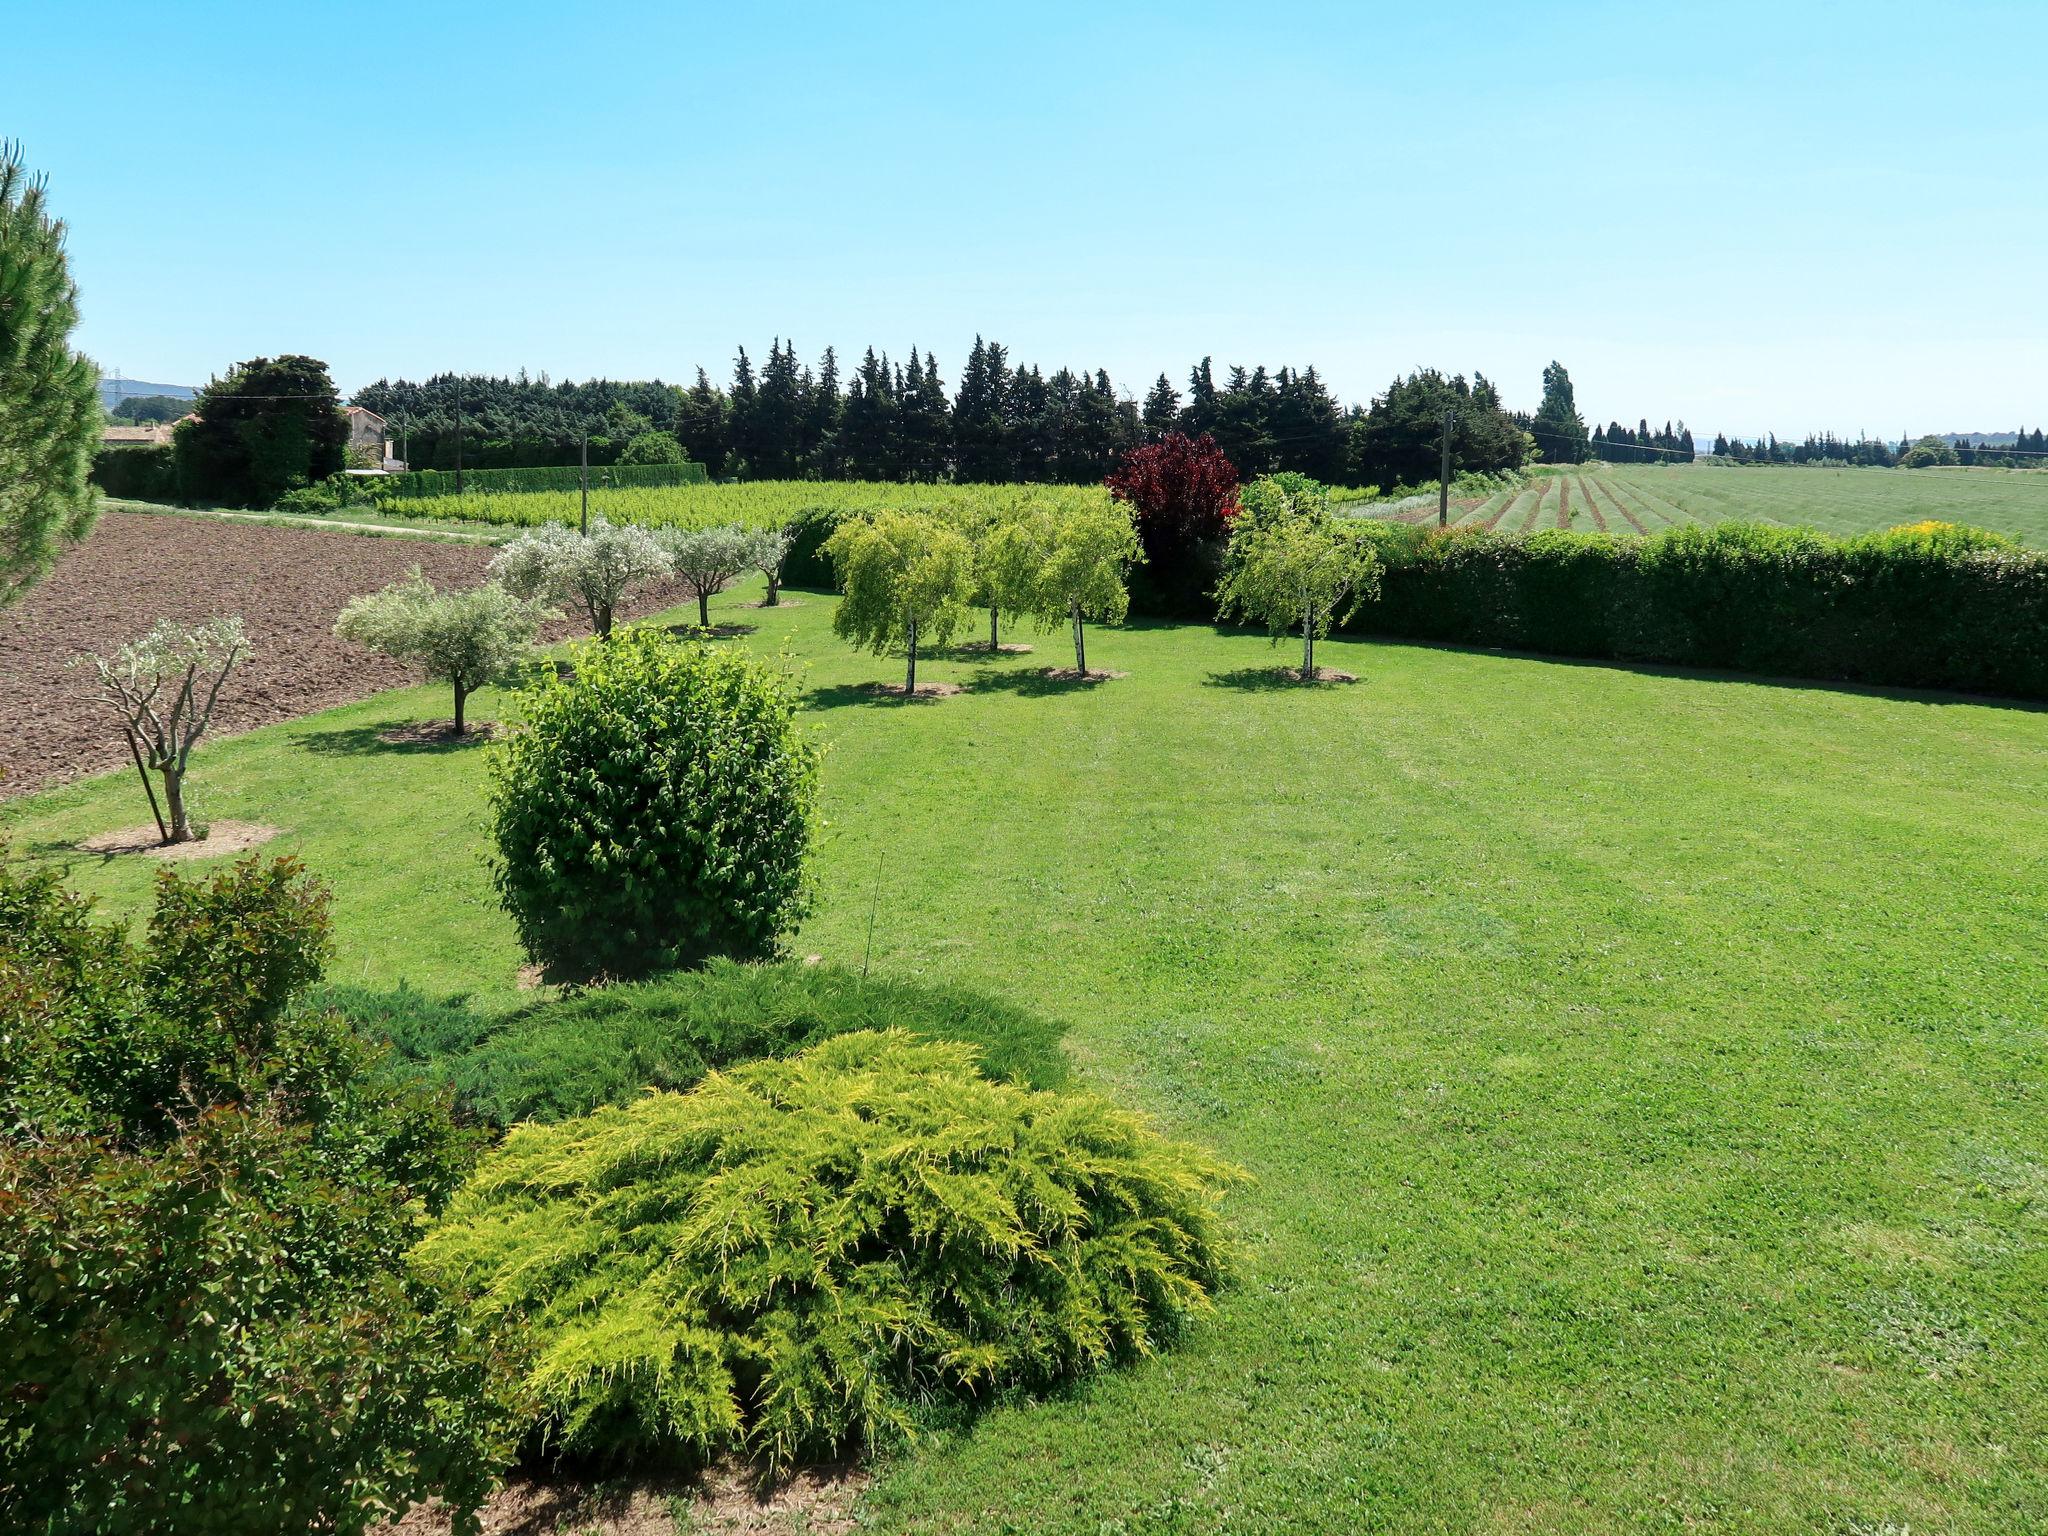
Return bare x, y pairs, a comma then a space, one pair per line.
655, 811
800, 1255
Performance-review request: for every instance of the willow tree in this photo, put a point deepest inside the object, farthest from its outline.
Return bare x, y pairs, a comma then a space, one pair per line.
49, 394
1088, 557
908, 579
1011, 545
1291, 566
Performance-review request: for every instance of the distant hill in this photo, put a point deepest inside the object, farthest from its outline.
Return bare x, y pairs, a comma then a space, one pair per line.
1983, 439
113, 390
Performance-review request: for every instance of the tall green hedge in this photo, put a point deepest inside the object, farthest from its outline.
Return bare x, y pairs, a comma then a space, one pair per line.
145, 473
558, 477
1932, 605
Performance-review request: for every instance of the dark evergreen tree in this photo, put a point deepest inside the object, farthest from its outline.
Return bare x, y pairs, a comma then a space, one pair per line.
1559, 430
1162, 409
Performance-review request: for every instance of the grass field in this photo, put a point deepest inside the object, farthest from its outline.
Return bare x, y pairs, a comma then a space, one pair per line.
1638, 498
1642, 1074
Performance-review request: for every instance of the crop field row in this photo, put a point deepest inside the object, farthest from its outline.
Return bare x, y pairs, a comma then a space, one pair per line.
753, 504
1624, 499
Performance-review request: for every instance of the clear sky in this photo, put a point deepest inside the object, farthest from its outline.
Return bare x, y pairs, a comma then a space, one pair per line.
1777, 217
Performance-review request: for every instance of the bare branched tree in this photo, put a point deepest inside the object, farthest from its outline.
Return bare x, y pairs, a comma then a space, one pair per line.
164, 688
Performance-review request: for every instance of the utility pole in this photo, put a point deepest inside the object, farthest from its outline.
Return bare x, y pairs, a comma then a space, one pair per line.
458, 439
1443, 485
585, 525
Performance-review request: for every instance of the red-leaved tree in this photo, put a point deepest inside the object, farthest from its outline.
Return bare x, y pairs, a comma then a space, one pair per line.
1184, 494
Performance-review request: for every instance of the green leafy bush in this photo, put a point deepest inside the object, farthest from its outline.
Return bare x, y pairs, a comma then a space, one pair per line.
794, 1256
206, 1196
1929, 606
656, 810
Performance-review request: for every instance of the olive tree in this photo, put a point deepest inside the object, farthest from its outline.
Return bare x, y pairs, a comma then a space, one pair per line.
908, 579
164, 688
771, 555
708, 560
466, 638
1292, 566
1086, 560
596, 569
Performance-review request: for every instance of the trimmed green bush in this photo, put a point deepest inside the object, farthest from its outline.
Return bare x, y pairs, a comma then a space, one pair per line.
1927, 606
795, 1257
145, 472
655, 811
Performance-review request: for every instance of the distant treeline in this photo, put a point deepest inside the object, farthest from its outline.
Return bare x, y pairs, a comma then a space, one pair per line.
1616, 444
895, 420
2028, 450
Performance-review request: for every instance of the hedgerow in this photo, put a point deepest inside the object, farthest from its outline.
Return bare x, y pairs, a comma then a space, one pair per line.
1931, 605
794, 1256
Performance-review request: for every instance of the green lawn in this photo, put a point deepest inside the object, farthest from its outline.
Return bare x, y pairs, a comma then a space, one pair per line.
1642, 1074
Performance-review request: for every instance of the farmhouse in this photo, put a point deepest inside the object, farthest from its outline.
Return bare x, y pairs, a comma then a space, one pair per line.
150, 435
369, 432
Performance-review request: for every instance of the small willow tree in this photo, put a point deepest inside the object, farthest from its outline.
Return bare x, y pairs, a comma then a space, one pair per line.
464, 638
164, 688
1011, 545
1292, 566
908, 579
1087, 556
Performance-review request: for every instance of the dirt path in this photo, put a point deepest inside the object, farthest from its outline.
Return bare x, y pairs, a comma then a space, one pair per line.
286, 583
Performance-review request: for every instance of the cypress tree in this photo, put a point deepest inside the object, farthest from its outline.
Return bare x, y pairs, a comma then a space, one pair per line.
1162, 409
49, 394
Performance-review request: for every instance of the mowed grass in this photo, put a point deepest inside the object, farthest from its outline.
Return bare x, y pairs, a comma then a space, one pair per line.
1642, 1073
1647, 498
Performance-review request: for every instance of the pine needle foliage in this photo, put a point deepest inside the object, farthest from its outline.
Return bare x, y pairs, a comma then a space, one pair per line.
799, 1256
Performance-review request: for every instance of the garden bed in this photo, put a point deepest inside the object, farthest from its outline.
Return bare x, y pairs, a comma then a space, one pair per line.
288, 584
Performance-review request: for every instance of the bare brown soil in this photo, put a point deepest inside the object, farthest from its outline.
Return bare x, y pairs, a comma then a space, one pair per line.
1592, 506
722, 1502
222, 837
1564, 502
1005, 649
288, 584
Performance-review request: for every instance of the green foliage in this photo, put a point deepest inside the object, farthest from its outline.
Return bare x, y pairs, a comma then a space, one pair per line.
144, 472
908, 578
1291, 566
652, 448
796, 1256
705, 561
49, 394
1012, 542
205, 1202
655, 811
270, 426
1930, 453
466, 638
489, 486
1930, 608
608, 1045
1086, 560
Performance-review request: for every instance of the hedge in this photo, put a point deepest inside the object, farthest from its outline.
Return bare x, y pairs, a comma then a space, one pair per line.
137, 474
561, 477
1932, 605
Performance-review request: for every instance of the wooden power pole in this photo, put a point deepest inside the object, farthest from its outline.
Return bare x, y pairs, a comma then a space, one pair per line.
1443, 485
585, 460
458, 440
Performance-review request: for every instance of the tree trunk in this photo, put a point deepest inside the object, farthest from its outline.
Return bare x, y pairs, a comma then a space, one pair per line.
992, 646
703, 610
1080, 645
601, 620
774, 590
1308, 650
174, 804
910, 676
461, 699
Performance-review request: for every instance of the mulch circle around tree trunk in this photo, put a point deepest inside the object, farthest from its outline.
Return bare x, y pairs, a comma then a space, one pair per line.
924, 690
222, 837
1005, 649
1323, 675
440, 733
1092, 675
787, 602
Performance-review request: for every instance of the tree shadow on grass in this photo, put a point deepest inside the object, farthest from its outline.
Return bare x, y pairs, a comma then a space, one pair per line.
1274, 679
401, 740
1035, 682
839, 695
711, 632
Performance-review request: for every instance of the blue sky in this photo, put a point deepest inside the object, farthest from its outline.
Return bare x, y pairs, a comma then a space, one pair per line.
1755, 217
